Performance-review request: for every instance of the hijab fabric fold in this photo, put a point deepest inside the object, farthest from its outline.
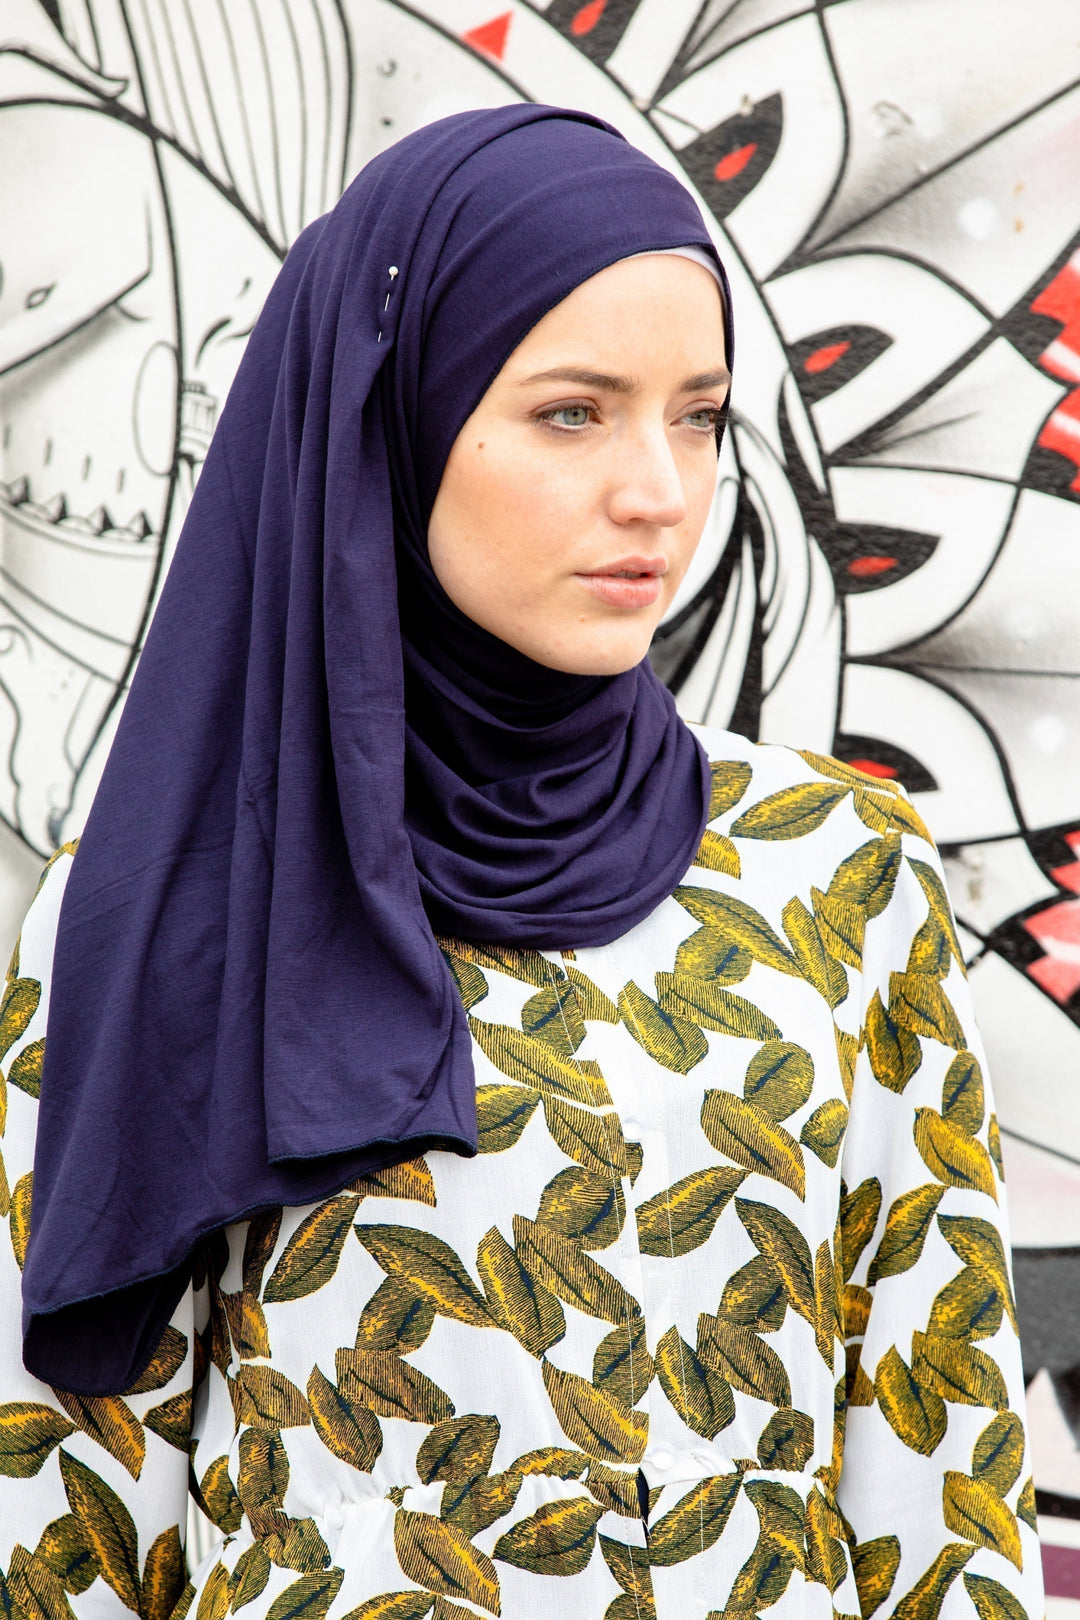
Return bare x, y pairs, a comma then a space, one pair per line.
248, 1004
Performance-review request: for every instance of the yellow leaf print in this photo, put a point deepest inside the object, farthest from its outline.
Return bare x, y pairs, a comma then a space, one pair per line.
474, 1504
683, 1217
25, 1071
214, 1597
867, 877
875, 1564
502, 1114
755, 1297
718, 854
790, 813
64, 1547
999, 1453
572, 1276
963, 1097
857, 1303
593, 1140
859, 1211
872, 810
730, 780
111, 1422
309, 1598
841, 926
526, 966
629, 1566
974, 1510
951, 1155
553, 1015
992, 1600
747, 1135
669, 1039
928, 1594
19, 1005
471, 984
709, 954
594, 1420
349, 1430
979, 1244
921, 1005
958, 1371
392, 1387
993, 1142
706, 1004
824, 1131
35, 1588
29, 1433
311, 1255
216, 1495
915, 1413
516, 1300
163, 1365
615, 1488
622, 1363
263, 1474
847, 1055
394, 1606
396, 1317
581, 1205
968, 1307
266, 1399
938, 901
556, 1461
171, 1421
19, 1219
701, 1396
558, 1539
906, 1226
894, 1051
107, 1526
825, 1560
786, 1443
411, 1179
1026, 1507
787, 1251
534, 1063
249, 1577
931, 953
695, 1523
779, 1079
430, 1267
592, 1002
740, 1357
817, 966
740, 924
459, 1449
164, 1575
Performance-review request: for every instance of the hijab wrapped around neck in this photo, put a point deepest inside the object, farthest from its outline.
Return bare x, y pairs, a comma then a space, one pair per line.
248, 1005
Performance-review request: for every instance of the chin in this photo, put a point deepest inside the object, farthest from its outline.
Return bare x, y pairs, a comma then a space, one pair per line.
592, 659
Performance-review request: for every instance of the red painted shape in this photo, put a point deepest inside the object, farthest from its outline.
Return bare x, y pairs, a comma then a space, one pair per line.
873, 767
867, 567
822, 359
491, 36
1061, 1570
587, 18
1060, 300
735, 162
1057, 930
1069, 876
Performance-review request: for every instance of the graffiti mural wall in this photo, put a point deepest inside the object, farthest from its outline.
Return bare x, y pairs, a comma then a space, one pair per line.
892, 568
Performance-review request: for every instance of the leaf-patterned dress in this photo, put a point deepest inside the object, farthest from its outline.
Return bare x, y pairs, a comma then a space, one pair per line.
719, 1322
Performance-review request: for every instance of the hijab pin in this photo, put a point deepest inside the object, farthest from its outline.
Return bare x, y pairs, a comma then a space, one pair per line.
393, 273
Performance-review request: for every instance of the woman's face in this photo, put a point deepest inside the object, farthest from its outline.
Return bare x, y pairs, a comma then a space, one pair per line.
575, 495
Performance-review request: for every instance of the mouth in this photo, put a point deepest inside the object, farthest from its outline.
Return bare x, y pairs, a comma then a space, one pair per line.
629, 583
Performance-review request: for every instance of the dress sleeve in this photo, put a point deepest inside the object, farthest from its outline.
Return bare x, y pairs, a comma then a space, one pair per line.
936, 1476
93, 1492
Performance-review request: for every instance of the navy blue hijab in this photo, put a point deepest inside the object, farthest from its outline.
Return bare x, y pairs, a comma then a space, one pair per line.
248, 1003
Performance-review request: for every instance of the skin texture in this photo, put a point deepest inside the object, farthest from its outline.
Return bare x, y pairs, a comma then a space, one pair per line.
554, 480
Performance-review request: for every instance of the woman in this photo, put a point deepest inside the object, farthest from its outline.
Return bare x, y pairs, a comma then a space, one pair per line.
510, 1279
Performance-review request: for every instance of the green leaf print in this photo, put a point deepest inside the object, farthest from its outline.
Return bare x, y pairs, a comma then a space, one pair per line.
816, 965
35, 1588
214, 1597
108, 1527
429, 1267
29, 1432
517, 1302
915, 1413
841, 926
526, 966
740, 924
163, 1365
630, 1567
730, 780
558, 1539
249, 1577
938, 902
793, 812
396, 1317
968, 1307
458, 1449
979, 1244
263, 1472
824, 1131
572, 1276
931, 951
894, 1052
779, 1079
670, 1040
553, 1015
906, 1226
755, 1296
394, 1606
216, 1495
472, 987
592, 1002
924, 1600
266, 1399
594, 1420
346, 1428
695, 1523
19, 1005
392, 1387
701, 1396
875, 1564
920, 1004
709, 954
974, 1510
999, 1453
25, 1071
556, 1461
442, 1558
111, 1423
992, 1600
779, 1240
859, 1211
534, 1063
475, 1504
621, 1361
1026, 1506
64, 1547
787, 1441
411, 1179
19, 1217
740, 1357
593, 1140
763, 1578
581, 1205
309, 1598
951, 1155
867, 877
311, 1255
164, 1574
963, 1097
502, 1114
706, 1004
683, 1217
171, 1421
957, 1371
745, 1133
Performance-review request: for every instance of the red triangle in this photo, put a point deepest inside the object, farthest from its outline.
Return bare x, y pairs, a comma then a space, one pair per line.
491, 36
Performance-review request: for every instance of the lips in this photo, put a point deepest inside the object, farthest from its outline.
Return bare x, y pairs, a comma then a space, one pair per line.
629, 583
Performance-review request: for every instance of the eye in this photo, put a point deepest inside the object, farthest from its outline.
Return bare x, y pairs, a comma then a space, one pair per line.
567, 416
706, 419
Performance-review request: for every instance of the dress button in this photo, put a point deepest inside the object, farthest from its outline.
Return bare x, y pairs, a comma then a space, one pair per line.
661, 1461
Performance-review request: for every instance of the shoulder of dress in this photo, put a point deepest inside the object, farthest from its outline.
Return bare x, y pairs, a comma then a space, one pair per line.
784, 764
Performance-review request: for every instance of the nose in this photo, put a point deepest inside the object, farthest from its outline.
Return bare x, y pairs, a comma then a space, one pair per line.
648, 487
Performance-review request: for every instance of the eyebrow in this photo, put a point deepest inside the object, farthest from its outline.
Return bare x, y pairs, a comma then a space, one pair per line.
611, 384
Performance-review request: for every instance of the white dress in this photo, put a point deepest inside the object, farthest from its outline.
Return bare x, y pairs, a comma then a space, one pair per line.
732, 1256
